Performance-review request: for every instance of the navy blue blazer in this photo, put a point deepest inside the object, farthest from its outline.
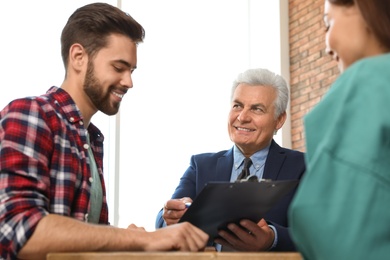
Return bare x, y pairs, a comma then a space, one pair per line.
281, 164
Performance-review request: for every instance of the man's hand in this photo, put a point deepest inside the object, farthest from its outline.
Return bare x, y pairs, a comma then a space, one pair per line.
174, 209
249, 236
181, 237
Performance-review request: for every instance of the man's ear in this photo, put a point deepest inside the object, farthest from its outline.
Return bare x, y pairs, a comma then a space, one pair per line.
280, 121
77, 57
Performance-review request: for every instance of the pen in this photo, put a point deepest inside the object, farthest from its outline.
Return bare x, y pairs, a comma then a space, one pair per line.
188, 204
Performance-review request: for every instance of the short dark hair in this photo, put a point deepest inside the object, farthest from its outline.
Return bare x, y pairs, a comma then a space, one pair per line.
91, 24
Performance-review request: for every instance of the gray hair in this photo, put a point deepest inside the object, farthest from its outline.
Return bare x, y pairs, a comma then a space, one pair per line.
264, 77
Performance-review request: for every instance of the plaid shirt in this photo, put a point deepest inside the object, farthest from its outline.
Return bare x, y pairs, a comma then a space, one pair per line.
44, 166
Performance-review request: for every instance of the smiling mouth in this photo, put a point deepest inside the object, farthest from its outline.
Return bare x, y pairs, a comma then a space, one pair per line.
118, 95
244, 129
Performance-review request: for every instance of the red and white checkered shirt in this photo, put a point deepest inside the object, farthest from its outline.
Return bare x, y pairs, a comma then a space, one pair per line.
44, 165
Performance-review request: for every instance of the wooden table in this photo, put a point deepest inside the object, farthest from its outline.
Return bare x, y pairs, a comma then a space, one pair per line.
175, 256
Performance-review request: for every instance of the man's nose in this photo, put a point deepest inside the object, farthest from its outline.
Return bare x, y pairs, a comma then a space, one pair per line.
127, 80
243, 116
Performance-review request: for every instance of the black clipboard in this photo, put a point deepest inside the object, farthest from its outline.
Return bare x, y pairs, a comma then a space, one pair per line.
220, 203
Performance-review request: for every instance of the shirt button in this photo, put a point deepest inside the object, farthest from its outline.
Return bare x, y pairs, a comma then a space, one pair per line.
71, 119
86, 146
90, 179
81, 122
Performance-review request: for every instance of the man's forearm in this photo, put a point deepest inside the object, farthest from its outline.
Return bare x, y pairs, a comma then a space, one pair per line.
56, 233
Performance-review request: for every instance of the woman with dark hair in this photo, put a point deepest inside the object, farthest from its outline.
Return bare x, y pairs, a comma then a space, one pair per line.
340, 210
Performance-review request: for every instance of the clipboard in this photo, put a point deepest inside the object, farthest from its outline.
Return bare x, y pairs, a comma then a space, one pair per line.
221, 203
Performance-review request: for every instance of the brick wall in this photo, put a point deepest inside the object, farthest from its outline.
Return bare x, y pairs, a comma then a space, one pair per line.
311, 69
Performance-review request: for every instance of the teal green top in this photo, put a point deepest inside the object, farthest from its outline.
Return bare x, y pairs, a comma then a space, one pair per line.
342, 207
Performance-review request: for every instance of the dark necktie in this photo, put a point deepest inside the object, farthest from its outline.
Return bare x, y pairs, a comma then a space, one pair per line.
245, 171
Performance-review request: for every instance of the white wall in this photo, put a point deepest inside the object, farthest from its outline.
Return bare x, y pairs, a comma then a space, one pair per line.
192, 52
179, 105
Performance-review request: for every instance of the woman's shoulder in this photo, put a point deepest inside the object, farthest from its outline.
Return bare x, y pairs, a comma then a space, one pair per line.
375, 65
371, 73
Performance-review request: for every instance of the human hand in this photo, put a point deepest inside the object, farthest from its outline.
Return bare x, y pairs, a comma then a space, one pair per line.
249, 236
174, 209
181, 237
133, 226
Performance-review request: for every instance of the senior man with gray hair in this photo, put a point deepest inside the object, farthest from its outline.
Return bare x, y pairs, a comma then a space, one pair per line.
258, 110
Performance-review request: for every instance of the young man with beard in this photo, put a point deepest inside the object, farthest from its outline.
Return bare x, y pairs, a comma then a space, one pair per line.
52, 190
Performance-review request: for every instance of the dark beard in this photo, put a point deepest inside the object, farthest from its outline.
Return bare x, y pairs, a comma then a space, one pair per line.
95, 92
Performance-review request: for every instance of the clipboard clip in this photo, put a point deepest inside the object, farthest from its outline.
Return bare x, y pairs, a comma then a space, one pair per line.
253, 178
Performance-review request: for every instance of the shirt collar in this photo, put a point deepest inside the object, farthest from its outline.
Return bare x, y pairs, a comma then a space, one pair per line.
72, 112
66, 103
258, 158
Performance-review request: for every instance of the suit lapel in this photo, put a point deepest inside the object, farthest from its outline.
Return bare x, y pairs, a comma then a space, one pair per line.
274, 162
272, 167
224, 166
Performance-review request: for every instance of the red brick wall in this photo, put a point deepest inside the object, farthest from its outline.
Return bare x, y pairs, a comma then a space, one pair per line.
311, 69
